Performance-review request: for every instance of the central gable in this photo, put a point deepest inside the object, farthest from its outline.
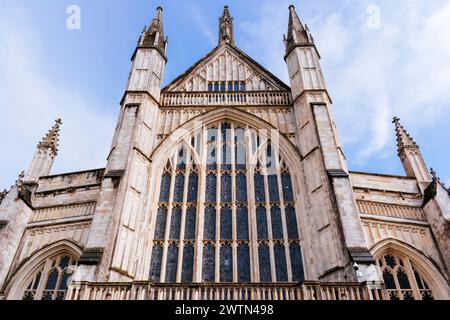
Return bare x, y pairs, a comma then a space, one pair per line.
226, 68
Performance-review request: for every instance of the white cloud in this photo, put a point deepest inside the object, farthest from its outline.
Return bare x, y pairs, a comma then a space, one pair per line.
199, 20
262, 38
31, 101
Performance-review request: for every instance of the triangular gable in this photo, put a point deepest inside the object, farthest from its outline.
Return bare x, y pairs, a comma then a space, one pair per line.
223, 65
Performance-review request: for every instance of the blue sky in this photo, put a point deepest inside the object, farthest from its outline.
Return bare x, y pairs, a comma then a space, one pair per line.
47, 71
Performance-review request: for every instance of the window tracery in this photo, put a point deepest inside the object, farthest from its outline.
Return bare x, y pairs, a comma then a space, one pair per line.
402, 280
52, 280
246, 184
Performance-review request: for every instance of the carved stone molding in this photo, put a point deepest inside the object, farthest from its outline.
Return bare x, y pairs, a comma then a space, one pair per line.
91, 257
361, 255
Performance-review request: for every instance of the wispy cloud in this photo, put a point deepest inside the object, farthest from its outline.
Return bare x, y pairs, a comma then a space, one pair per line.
198, 18
400, 69
31, 100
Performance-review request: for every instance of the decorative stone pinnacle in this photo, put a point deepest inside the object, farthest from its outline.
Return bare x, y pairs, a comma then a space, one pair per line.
153, 36
297, 33
51, 139
404, 140
226, 32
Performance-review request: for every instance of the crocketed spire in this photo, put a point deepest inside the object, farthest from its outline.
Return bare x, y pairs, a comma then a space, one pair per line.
153, 36
51, 139
226, 32
404, 140
297, 33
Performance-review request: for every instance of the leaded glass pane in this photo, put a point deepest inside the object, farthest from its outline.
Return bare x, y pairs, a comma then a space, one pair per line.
188, 264
390, 261
37, 280
52, 280
64, 284
240, 157
226, 224
182, 158
208, 263
270, 157
403, 280
211, 163
160, 227
261, 223
165, 188
241, 188
288, 193
264, 264
388, 279
175, 224
243, 260
259, 188
209, 232
64, 262
291, 221
179, 188
273, 188
280, 263
225, 189
211, 188
277, 224
296, 263
226, 264
242, 224
172, 262
192, 188
191, 215
155, 268
226, 157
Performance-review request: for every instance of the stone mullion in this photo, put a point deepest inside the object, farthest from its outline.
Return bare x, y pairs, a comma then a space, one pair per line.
254, 255
198, 251
412, 279
43, 281
233, 207
218, 200
268, 211
168, 220
183, 217
283, 218
397, 284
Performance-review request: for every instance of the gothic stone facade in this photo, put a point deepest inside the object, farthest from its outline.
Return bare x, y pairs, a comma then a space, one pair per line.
225, 184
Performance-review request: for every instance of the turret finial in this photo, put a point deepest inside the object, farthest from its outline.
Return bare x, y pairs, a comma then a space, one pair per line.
226, 32
404, 140
51, 139
297, 33
153, 36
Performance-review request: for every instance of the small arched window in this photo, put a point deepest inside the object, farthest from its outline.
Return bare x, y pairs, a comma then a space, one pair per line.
402, 279
51, 280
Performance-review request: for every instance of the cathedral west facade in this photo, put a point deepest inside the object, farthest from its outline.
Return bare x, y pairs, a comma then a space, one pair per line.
225, 184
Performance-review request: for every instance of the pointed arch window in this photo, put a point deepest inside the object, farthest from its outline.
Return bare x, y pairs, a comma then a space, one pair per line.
402, 279
52, 279
207, 210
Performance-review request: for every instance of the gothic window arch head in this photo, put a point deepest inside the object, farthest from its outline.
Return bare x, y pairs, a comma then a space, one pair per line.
218, 185
51, 280
402, 278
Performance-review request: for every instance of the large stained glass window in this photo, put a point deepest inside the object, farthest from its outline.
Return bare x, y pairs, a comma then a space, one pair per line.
207, 211
402, 280
52, 280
